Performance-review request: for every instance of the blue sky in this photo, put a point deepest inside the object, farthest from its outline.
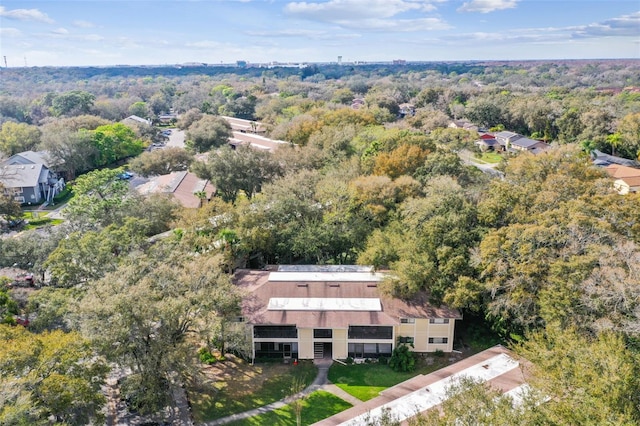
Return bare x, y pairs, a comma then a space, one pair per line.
134, 32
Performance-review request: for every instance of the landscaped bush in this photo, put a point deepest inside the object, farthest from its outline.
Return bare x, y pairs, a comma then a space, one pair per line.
402, 359
63, 195
207, 357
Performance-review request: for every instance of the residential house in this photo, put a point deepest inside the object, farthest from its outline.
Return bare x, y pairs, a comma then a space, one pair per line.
185, 187
358, 103
30, 157
625, 179
137, 120
26, 183
604, 160
463, 124
497, 367
307, 311
516, 142
167, 118
406, 110
488, 142
28, 178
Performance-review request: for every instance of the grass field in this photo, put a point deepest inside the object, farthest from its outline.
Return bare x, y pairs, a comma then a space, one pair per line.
365, 381
38, 219
490, 157
234, 386
315, 407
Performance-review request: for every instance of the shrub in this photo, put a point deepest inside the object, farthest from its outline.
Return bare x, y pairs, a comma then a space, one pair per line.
63, 195
439, 353
402, 359
206, 356
349, 360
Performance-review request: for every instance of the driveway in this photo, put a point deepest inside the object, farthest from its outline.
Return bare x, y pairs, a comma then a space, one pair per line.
176, 138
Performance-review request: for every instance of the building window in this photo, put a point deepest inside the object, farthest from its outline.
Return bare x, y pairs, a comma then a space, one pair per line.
405, 339
439, 321
438, 340
322, 333
407, 320
275, 331
370, 332
276, 350
369, 350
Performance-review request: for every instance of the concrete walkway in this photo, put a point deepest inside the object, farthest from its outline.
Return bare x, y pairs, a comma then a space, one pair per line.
321, 382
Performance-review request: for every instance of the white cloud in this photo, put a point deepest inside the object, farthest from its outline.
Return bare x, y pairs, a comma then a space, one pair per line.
83, 24
60, 31
626, 25
334, 10
25, 15
369, 15
10, 32
397, 25
486, 6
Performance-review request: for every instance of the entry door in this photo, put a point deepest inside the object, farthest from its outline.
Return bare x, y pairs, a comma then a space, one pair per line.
286, 348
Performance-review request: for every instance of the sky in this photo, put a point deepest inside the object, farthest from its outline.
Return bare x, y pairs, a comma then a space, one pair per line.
167, 32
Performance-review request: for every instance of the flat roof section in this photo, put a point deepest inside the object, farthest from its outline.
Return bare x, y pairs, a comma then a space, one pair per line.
327, 276
492, 366
324, 268
428, 397
324, 304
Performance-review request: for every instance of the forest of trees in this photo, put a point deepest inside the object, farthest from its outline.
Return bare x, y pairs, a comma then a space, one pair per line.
548, 257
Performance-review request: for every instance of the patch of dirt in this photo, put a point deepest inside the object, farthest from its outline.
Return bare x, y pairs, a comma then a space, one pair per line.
238, 377
11, 272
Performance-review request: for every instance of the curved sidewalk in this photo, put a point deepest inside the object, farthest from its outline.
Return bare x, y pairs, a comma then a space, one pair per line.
319, 383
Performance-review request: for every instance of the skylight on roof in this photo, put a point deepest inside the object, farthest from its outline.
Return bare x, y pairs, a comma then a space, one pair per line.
327, 276
324, 304
324, 268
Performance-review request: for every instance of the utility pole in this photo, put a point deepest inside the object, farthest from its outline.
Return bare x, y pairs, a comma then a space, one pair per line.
5, 61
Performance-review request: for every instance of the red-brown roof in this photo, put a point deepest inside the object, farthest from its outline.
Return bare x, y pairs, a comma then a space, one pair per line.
617, 171
260, 290
504, 383
181, 185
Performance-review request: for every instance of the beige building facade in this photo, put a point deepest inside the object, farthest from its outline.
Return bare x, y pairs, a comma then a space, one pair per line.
310, 312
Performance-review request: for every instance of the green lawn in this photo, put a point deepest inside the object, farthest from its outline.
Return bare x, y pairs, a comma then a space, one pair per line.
365, 381
38, 219
490, 157
317, 406
234, 386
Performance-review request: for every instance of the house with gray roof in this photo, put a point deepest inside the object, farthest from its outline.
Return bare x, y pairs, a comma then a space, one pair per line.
516, 142
26, 183
603, 160
138, 120
28, 178
30, 157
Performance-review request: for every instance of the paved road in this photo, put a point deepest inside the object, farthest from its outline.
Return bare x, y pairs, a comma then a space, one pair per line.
467, 157
176, 138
